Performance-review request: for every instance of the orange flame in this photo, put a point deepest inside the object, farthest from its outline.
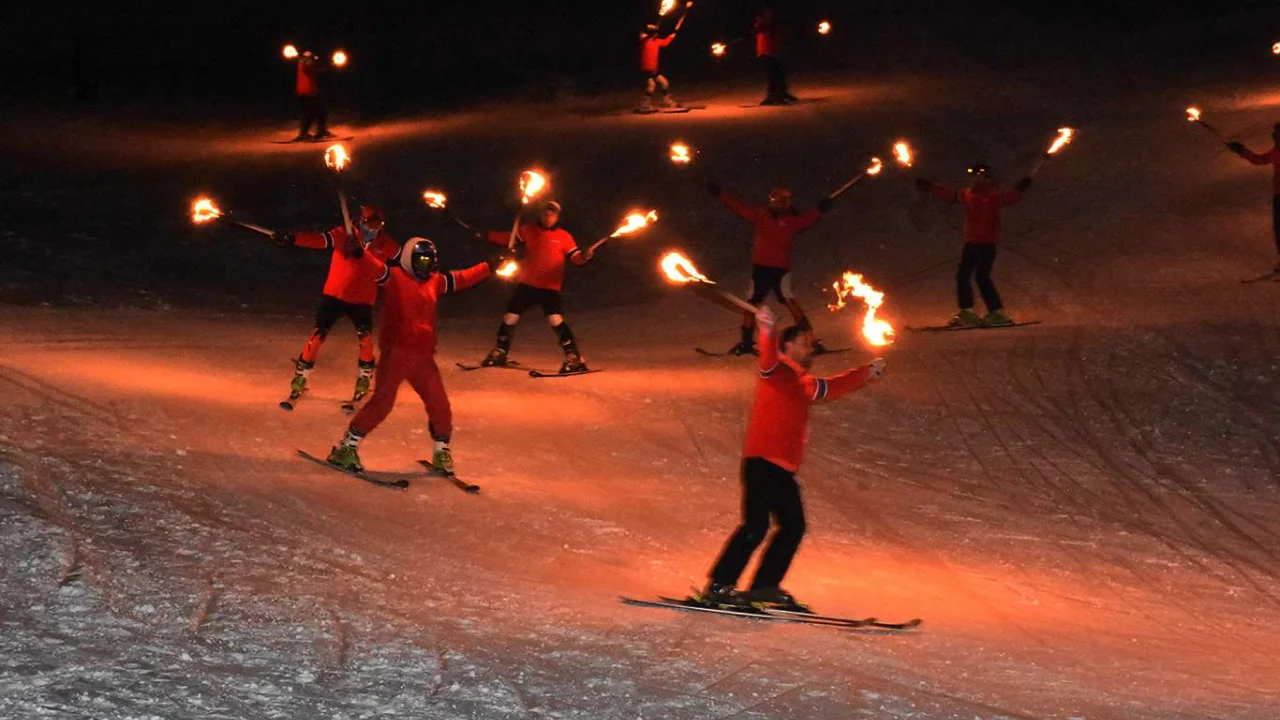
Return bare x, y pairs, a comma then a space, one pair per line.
336, 157
1275, 49
1193, 114
203, 210
824, 28
875, 167
532, 183
718, 49
681, 154
507, 269
1065, 135
877, 332
902, 153
636, 221
679, 269
290, 52
667, 7
435, 199
339, 58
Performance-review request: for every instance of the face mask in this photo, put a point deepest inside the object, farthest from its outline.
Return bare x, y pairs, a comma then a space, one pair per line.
368, 234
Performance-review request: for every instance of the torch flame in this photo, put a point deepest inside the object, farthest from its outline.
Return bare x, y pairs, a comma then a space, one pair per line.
636, 221
1064, 138
717, 49
203, 210
290, 52
532, 183
680, 154
679, 269
507, 269
435, 199
667, 7
1193, 114
824, 28
875, 167
336, 157
1275, 49
339, 58
902, 153
877, 332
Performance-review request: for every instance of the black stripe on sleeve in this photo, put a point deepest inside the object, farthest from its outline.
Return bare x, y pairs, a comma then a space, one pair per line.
450, 284
769, 372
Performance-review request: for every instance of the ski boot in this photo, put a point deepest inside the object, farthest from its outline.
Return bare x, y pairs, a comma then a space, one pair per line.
965, 318
646, 106
442, 461
363, 381
790, 99
344, 457
775, 598
722, 597
996, 318
323, 135
301, 368
302, 137
573, 363
497, 357
670, 103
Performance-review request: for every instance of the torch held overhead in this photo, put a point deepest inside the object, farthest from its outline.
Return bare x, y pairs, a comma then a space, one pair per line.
337, 159
679, 270
871, 170
289, 52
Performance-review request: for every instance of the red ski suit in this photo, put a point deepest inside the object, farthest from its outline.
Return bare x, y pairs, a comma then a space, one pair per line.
308, 84
774, 234
981, 210
650, 46
779, 424
1270, 157
407, 341
768, 41
546, 249
350, 279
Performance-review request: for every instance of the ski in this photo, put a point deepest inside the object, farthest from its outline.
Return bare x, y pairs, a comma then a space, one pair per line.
300, 141
869, 622
541, 374
958, 328
372, 479
828, 351
775, 615
509, 365
461, 484
290, 402
1273, 275
350, 405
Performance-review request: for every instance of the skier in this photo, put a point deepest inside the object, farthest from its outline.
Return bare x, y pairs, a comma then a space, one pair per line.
407, 342
772, 453
775, 229
349, 290
651, 44
539, 282
982, 202
769, 50
1270, 157
311, 104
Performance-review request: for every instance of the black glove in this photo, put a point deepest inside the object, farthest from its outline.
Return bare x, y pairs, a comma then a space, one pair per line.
1237, 148
1023, 184
352, 247
825, 204
283, 238
499, 260
714, 188
924, 185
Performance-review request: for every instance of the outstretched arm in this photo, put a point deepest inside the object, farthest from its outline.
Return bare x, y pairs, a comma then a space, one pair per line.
766, 342
942, 192
683, 15
829, 388
310, 239
455, 281
736, 206
1253, 157
1014, 196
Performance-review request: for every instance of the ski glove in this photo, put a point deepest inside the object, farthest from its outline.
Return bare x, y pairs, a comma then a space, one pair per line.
1023, 184
352, 248
876, 369
923, 185
283, 238
1237, 148
714, 188
825, 204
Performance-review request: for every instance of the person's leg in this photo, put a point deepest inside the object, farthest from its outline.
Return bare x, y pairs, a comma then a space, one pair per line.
757, 293
428, 383
782, 289
964, 274
783, 497
984, 262
750, 533
521, 300
664, 87
391, 372
306, 116
361, 317
650, 85
1275, 223
553, 308
327, 313
322, 116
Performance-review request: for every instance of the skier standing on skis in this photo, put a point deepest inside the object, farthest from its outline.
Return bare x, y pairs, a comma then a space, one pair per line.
1270, 157
772, 453
983, 201
651, 44
350, 290
775, 229
311, 104
769, 50
412, 286
539, 282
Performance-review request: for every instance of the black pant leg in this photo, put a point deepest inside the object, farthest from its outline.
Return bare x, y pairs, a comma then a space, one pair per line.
755, 524
964, 287
985, 262
788, 511
1275, 219
330, 309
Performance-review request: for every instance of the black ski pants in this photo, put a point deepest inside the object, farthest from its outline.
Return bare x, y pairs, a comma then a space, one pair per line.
975, 264
1275, 219
776, 75
767, 490
313, 111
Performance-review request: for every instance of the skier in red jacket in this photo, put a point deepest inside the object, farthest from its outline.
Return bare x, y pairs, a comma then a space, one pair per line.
769, 50
983, 201
1270, 157
651, 44
539, 282
311, 104
772, 454
349, 290
407, 342
775, 226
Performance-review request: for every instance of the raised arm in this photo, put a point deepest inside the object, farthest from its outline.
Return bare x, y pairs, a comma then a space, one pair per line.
455, 281
941, 192
1253, 157
311, 239
736, 206
766, 341
501, 237
1014, 196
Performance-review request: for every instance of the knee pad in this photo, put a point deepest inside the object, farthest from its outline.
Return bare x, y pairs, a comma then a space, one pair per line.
510, 319
555, 321
650, 86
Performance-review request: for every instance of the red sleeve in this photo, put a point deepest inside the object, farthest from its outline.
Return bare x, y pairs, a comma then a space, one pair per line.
376, 265
806, 220
830, 388
1010, 197
385, 247
317, 240
767, 346
500, 237
739, 208
570, 249
458, 280
1257, 159
666, 40
944, 193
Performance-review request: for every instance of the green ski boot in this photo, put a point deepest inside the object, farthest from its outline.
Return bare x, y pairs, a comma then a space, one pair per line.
996, 318
442, 461
344, 457
965, 318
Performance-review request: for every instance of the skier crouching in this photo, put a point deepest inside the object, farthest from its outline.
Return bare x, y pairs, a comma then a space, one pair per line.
407, 341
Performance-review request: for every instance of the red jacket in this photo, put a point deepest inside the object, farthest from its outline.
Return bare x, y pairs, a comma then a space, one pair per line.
408, 318
981, 210
1270, 157
779, 424
546, 249
768, 40
650, 46
774, 234
349, 280
308, 84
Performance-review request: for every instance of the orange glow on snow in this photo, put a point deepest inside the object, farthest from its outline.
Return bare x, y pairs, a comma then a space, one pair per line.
877, 332
336, 157
679, 269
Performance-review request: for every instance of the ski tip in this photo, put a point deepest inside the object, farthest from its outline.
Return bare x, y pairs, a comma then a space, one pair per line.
286, 405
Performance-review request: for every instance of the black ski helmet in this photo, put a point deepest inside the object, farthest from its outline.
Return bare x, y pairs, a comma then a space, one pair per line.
419, 258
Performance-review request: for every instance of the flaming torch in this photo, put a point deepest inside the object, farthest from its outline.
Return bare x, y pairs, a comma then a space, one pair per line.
680, 271
290, 52
437, 200
666, 7
1064, 138
204, 211
902, 153
871, 170
339, 58
681, 154
876, 332
634, 222
1275, 49
532, 183
337, 159
824, 28
507, 270
720, 48
1193, 115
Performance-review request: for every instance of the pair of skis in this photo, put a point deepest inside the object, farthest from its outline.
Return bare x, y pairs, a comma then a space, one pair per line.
727, 353
791, 616
398, 483
958, 328
513, 365
348, 406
